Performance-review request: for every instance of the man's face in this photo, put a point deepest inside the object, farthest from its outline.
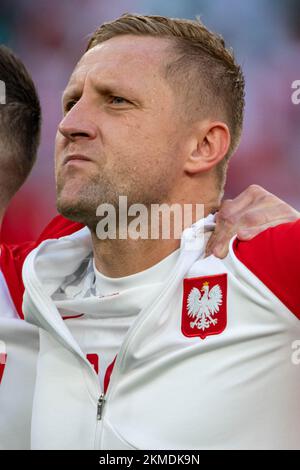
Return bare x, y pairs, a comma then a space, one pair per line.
121, 119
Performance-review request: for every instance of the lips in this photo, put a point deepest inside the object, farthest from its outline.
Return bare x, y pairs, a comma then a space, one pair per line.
76, 157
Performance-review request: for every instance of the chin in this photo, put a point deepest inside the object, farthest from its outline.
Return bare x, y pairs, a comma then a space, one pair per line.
68, 210
77, 209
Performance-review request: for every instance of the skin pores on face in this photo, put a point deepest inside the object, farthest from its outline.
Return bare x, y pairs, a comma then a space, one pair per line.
120, 115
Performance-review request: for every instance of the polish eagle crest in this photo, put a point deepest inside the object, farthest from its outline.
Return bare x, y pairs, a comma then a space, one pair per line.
203, 307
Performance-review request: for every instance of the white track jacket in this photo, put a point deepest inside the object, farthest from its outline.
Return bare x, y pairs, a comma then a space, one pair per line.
19, 341
211, 363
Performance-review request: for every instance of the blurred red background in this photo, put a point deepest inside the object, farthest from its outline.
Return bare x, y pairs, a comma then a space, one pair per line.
50, 36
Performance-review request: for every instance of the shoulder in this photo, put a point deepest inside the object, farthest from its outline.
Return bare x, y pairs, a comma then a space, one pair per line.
284, 238
12, 257
58, 227
11, 261
274, 257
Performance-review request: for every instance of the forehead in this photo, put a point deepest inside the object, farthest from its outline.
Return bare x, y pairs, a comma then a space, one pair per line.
139, 58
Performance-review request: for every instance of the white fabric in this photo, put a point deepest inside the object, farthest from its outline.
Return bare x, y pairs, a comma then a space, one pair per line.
7, 308
20, 342
234, 390
103, 327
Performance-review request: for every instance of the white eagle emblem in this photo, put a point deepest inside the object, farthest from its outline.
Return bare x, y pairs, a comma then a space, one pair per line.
203, 308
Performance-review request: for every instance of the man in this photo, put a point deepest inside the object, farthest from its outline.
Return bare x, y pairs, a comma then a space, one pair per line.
149, 343
20, 129
20, 120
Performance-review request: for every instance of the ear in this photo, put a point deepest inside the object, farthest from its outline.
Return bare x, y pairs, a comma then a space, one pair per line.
208, 146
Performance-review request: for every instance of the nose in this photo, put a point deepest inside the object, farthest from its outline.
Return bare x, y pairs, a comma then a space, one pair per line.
78, 124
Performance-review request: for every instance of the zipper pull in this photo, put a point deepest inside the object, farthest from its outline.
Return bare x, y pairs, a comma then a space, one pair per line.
100, 405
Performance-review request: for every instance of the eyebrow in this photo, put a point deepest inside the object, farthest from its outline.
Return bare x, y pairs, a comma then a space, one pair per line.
104, 89
70, 92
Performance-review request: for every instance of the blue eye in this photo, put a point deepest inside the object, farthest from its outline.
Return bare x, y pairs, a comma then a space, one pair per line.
70, 105
118, 100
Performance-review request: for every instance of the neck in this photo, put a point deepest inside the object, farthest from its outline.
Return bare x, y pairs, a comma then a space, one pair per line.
120, 258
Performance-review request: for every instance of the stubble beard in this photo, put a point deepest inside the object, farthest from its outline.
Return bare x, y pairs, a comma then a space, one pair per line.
99, 190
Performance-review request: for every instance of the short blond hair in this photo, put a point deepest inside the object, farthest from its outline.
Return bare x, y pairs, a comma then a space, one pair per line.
203, 69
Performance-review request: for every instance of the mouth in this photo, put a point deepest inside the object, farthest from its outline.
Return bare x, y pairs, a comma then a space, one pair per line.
76, 158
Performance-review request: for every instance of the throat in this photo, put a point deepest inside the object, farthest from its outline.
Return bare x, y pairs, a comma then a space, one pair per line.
120, 258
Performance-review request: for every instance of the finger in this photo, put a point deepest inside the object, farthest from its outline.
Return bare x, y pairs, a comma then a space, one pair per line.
253, 193
221, 236
220, 246
221, 250
251, 232
230, 217
219, 242
226, 220
210, 244
269, 217
255, 206
269, 211
242, 215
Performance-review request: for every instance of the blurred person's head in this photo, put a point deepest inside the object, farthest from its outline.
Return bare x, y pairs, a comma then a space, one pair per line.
155, 106
20, 122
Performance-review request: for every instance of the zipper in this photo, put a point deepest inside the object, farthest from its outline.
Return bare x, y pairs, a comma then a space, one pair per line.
100, 406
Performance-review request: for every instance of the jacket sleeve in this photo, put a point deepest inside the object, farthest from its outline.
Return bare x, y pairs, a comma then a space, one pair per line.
274, 257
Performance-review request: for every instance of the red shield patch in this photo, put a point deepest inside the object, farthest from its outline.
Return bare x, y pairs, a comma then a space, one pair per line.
204, 309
